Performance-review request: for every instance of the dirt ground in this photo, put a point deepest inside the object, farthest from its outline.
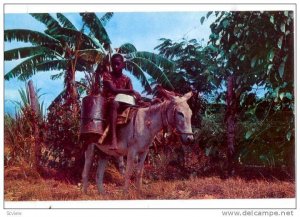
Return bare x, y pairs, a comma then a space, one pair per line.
19, 186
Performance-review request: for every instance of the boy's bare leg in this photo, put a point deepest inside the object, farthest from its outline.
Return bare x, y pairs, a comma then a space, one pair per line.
113, 123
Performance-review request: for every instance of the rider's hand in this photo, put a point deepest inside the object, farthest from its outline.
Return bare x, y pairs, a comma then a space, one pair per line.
137, 95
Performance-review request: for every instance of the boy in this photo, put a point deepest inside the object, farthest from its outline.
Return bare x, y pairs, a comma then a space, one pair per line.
114, 83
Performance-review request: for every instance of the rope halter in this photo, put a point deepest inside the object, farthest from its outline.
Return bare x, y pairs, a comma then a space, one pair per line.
166, 122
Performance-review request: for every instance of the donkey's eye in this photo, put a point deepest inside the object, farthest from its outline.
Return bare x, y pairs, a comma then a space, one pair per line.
180, 113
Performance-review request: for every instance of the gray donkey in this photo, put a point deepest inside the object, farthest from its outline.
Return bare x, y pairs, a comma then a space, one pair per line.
135, 138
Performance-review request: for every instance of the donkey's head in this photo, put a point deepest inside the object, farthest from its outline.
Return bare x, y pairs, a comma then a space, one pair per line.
178, 115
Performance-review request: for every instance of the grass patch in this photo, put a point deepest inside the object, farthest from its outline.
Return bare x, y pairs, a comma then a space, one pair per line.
196, 188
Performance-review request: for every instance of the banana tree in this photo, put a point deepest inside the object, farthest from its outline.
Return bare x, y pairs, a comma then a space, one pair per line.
142, 63
60, 47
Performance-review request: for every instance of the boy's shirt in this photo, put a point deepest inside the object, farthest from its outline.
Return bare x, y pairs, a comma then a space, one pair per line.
121, 82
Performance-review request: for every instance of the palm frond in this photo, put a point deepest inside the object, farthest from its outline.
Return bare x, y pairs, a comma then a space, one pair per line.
42, 109
28, 67
24, 52
159, 60
153, 70
96, 27
69, 34
24, 94
52, 65
138, 72
62, 38
48, 20
65, 22
95, 40
106, 17
25, 35
127, 48
57, 76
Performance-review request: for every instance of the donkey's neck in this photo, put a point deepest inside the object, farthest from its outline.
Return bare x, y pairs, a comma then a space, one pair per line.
153, 117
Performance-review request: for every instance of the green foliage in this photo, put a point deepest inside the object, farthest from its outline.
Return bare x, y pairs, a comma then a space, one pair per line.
270, 142
127, 48
152, 64
96, 27
34, 64
257, 48
138, 72
202, 20
192, 63
61, 47
24, 52
191, 69
106, 17
64, 48
65, 22
45, 18
211, 133
264, 63
26, 35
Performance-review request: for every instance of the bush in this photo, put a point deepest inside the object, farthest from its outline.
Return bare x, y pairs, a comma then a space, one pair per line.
64, 149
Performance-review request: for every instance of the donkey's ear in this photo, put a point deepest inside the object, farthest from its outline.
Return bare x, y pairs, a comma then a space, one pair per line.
165, 93
188, 95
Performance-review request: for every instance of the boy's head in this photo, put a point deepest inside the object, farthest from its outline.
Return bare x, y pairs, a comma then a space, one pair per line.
117, 63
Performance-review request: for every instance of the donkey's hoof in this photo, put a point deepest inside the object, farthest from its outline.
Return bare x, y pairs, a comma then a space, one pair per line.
102, 192
125, 192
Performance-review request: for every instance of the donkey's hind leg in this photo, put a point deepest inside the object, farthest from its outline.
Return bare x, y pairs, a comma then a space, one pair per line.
100, 173
121, 165
89, 154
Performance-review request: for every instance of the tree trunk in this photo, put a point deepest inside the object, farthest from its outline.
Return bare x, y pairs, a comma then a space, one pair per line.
71, 91
35, 108
230, 122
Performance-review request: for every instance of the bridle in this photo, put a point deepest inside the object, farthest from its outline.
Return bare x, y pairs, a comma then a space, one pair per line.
166, 122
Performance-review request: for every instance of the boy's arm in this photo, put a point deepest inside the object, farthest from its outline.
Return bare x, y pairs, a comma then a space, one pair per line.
109, 85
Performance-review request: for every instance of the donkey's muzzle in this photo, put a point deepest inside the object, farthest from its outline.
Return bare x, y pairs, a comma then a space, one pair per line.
187, 139
190, 139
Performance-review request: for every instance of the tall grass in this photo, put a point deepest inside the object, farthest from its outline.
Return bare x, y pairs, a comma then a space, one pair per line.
19, 138
19, 131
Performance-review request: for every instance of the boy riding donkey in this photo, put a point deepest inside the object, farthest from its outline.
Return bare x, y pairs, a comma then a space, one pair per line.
115, 82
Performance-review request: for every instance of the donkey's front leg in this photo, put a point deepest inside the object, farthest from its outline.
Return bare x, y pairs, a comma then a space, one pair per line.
100, 174
89, 154
140, 169
129, 168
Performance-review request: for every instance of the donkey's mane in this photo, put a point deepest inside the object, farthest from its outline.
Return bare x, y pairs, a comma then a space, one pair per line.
156, 107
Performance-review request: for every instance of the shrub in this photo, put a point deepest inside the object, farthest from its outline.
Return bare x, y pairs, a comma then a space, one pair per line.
64, 149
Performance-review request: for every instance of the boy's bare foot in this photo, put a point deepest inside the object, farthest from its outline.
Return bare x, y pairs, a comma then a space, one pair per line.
113, 148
